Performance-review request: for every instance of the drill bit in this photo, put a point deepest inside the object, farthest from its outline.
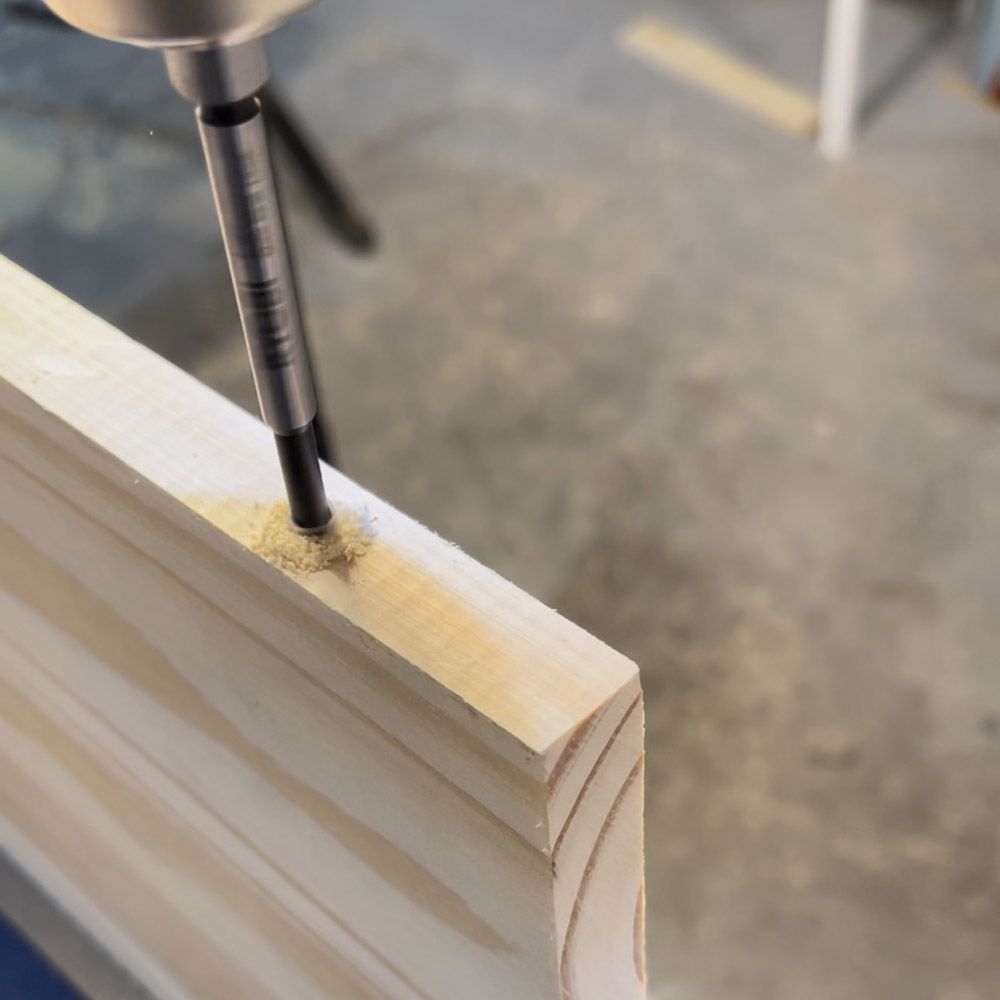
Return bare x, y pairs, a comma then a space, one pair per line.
215, 57
224, 83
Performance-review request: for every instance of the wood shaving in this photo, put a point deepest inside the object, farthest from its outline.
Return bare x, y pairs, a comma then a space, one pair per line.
343, 543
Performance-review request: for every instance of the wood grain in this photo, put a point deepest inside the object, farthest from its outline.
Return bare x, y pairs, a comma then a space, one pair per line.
403, 779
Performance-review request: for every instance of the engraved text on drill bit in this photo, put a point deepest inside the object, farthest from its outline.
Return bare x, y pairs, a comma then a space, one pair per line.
264, 295
248, 207
272, 321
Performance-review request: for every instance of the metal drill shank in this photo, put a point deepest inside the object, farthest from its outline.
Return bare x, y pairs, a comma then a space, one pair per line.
215, 57
239, 166
240, 172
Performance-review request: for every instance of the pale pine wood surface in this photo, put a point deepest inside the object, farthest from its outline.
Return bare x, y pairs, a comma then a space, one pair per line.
403, 778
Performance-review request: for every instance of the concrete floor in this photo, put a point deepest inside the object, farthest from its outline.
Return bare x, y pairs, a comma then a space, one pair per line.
731, 409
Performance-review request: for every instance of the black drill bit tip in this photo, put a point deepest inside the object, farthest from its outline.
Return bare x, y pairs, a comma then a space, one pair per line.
307, 501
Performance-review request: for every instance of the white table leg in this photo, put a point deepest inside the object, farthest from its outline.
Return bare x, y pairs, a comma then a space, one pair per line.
845, 29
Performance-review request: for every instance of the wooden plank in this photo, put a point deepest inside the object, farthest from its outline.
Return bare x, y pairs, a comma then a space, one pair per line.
396, 778
722, 74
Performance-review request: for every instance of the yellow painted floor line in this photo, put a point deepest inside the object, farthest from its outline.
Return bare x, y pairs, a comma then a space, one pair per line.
724, 75
960, 86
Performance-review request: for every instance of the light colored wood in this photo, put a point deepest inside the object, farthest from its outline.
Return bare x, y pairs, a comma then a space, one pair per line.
721, 73
399, 779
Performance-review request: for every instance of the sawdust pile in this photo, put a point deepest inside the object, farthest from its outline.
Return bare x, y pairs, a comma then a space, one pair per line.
344, 542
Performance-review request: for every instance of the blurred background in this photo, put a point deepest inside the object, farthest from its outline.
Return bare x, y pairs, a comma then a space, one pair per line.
731, 406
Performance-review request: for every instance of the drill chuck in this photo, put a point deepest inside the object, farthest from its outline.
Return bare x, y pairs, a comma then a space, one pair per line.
167, 23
